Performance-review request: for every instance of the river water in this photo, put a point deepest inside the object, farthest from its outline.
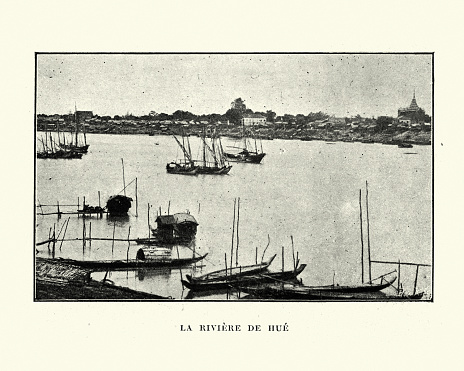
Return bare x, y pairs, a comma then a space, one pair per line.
308, 190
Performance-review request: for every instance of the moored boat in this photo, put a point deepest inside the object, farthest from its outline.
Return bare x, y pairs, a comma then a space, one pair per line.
242, 280
232, 273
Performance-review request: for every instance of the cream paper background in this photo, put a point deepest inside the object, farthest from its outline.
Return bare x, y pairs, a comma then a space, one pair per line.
136, 336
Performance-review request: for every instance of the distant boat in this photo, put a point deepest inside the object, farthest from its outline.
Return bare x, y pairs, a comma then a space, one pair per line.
247, 152
77, 144
185, 166
404, 145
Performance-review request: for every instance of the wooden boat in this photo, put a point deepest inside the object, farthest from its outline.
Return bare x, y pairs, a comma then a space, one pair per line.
185, 166
111, 265
329, 292
244, 280
247, 152
232, 273
404, 145
213, 160
176, 228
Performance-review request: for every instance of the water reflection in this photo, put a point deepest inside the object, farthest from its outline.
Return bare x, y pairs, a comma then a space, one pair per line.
118, 220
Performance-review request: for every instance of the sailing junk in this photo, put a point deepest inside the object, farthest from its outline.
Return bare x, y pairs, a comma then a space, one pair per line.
185, 166
213, 159
248, 152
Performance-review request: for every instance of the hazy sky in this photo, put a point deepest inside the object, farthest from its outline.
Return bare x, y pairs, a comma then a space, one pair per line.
339, 84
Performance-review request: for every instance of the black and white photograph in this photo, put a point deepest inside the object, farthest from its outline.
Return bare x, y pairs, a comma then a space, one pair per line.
234, 176
244, 185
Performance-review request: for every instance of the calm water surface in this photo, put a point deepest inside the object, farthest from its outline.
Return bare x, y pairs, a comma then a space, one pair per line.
308, 190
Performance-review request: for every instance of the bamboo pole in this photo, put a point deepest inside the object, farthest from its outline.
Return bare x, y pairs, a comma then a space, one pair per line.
225, 260
112, 246
293, 254
123, 177
399, 275
238, 222
136, 199
148, 212
362, 243
415, 281
58, 206
128, 246
169, 206
99, 204
54, 241
368, 237
90, 233
256, 255
180, 268
64, 234
83, 236
233, 234
49, 237
282, 258
403, 263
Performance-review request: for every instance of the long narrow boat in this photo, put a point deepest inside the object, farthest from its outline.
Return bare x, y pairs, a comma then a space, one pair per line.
111, 265
232, 273
329, 292
238, 281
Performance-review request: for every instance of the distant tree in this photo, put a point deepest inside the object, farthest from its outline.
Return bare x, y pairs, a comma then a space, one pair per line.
233, 115
164, 116
383, 122
300, 119
315, 116
270, 116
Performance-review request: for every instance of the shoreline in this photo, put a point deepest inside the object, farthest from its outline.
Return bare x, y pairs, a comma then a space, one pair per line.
390, 138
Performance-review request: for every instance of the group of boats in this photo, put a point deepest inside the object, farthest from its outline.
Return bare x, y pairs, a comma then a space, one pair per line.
60, 148
214, 160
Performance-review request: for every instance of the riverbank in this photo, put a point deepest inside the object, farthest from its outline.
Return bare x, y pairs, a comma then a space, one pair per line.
59, 281
391, 136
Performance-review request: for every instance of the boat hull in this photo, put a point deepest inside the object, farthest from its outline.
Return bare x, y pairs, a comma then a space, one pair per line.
238, 281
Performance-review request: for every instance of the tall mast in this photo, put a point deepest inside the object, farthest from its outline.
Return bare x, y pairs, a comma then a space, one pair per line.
204, 146
362, 243
213, 144
368, 239
75, 116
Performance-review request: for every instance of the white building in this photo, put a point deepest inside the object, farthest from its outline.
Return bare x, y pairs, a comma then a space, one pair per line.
253, 119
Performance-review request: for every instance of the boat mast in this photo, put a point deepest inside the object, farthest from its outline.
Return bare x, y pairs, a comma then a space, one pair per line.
75, 117
204, 146
213, 144
254, 137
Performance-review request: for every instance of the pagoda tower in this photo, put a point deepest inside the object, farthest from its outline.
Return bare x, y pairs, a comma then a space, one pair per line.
413, 106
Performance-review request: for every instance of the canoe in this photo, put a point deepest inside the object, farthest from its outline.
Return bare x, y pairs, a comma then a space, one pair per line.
329, 292
111, 265
232, 273
238, 281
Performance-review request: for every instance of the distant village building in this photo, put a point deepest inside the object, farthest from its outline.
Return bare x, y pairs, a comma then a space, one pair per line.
238, 104
253, 119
